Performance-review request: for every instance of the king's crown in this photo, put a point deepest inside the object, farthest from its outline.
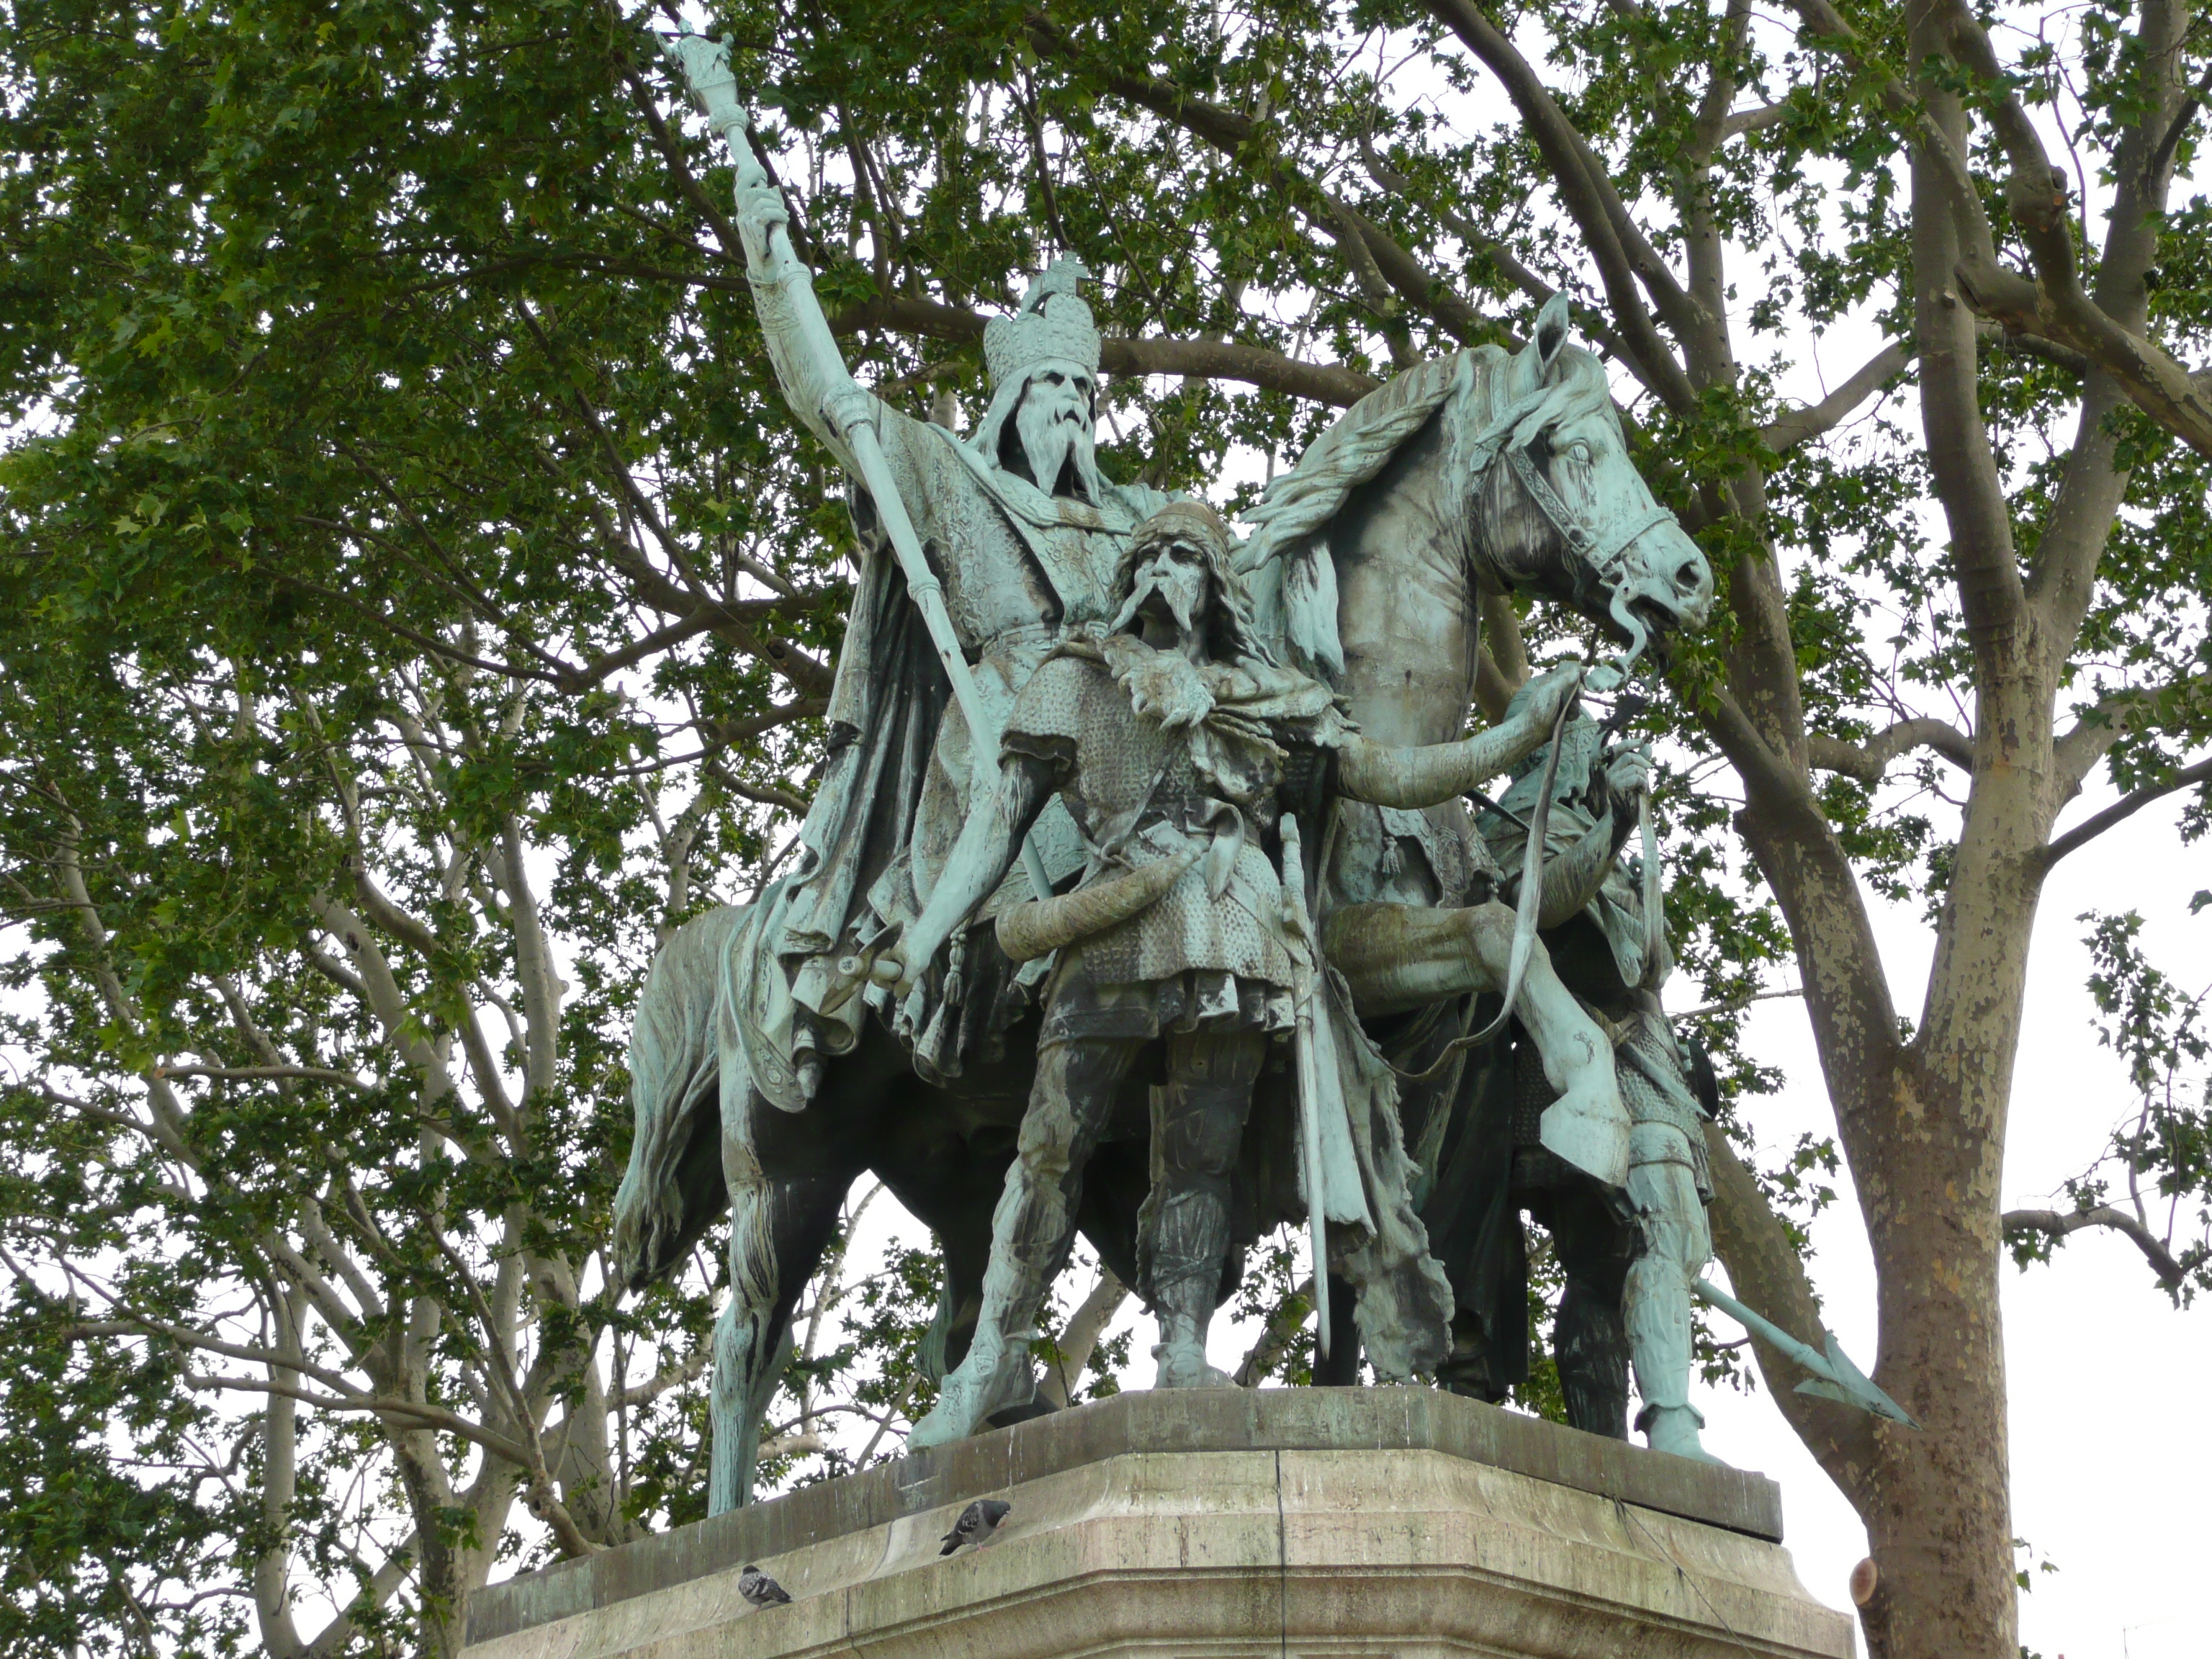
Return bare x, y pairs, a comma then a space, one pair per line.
1054, 322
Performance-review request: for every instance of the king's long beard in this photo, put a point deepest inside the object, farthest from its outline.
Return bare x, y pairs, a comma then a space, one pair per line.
1050, 442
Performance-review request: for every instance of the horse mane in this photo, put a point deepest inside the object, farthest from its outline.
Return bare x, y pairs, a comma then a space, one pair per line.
1355, 449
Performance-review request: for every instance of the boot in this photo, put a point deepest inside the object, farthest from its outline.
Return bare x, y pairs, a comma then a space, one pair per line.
1675, 1428
1655, 1307
1658, 1320
1186, 1309
1190, 1235
996, 1375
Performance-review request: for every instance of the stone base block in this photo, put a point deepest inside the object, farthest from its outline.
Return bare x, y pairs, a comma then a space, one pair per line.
1410, 1550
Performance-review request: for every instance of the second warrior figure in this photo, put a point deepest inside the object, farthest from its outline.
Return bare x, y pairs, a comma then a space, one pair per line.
1180, 746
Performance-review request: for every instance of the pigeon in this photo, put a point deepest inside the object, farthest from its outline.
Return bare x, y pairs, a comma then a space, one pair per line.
757, 1587
977, 1523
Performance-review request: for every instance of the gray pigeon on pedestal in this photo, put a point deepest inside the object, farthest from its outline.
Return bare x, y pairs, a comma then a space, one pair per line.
757, 1587
976, 1525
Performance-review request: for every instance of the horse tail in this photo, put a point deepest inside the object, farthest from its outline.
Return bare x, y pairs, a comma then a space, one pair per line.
672, 1187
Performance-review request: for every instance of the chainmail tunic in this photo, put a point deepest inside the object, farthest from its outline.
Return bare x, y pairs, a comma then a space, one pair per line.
1193, 958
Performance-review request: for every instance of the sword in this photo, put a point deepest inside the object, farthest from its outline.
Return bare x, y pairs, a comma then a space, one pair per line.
1315, 1165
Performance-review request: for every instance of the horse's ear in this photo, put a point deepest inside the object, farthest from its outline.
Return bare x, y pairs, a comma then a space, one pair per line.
1554, 323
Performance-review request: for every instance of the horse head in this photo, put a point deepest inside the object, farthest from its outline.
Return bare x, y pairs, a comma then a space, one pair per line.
1559, 508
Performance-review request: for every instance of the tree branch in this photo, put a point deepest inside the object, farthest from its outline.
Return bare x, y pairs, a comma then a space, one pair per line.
2033, 345
1706, 1010
1080, 1340
1215, 359
1283, 1326
434, 1417
1751, 120
1840, 960
744, 612
1373, 286
2056, 308
684, 1370
723, 734
244, 1073
2123, 809
2104, 722
1866, 761
2054, 303
382, 1585
1479, 243
1963, 196
1796, 426
1623, 254
2061, 1224
760, 795
1749, 752
1244, 139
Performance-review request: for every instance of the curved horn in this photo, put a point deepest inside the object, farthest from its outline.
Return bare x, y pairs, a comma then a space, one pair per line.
1030, 929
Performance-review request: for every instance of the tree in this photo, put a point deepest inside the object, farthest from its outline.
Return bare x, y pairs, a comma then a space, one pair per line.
366, 720
378, 365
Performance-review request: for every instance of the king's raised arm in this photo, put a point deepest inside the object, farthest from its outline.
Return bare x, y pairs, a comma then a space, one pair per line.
1000, 541
822, 391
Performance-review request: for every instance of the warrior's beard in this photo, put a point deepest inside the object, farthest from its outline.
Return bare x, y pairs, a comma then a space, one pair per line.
1055, 440
1178, 588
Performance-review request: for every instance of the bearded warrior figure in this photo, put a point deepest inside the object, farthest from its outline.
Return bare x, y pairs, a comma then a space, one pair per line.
1632, 1255
1025, 535
1186, 755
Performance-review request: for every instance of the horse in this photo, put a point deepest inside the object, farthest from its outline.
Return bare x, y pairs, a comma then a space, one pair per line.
705, 1138
1361, 560
1370, 562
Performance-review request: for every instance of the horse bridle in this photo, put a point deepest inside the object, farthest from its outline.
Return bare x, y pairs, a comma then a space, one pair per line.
1605, 554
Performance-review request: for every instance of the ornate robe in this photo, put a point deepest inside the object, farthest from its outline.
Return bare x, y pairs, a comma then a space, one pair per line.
1019, 568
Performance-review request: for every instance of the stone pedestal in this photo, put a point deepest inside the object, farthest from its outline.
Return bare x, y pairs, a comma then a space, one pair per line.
1368, 1523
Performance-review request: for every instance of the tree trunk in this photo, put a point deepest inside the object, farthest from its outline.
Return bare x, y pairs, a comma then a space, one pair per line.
438, 1575
1939, 1520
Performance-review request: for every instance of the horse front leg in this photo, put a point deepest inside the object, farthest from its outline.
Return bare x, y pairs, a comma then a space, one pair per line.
1400, 956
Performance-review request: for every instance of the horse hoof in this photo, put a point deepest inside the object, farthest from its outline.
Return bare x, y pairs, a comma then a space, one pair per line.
969, 1398
937, 1428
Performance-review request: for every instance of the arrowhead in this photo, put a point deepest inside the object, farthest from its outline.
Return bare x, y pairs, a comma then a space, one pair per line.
1853, 1387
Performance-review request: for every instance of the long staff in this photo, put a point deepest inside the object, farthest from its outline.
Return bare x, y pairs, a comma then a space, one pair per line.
1834, 1376
706, 66
1310, 1010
